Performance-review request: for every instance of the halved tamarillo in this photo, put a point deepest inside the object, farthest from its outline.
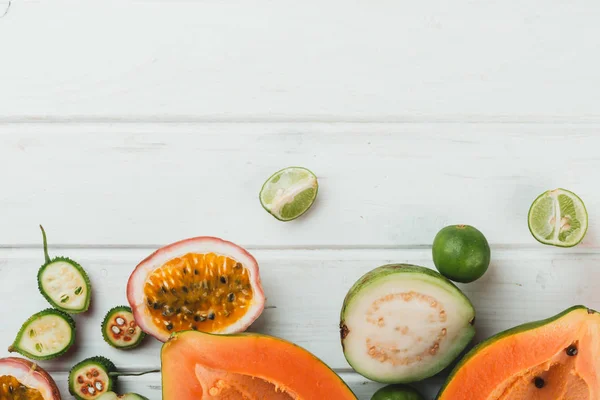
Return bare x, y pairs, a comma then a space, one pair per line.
22, 379
204, 283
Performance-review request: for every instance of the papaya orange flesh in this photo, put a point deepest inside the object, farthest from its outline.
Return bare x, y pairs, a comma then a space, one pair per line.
202, 366
551, 359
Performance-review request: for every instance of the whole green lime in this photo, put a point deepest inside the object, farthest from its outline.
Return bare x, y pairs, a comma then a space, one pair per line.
461, 253
397, 392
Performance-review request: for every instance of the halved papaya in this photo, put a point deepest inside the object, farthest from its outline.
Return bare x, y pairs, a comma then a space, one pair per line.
22, 379
203, 283
552, 359
202, 366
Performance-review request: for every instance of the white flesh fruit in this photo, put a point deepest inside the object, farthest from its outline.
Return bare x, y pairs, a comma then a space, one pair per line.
45, 335
65, 285
405, 325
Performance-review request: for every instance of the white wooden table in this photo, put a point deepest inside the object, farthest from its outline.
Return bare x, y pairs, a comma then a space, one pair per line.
126, 125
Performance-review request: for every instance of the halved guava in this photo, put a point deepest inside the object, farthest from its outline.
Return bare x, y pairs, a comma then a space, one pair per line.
203, 283
404, 323
22, 379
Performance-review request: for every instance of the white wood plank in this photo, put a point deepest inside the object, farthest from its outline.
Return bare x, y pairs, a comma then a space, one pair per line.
381, 184
334, 60
305, 290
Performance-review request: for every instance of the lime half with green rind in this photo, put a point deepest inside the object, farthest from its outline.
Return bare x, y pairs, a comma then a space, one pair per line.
289, 193
559, 218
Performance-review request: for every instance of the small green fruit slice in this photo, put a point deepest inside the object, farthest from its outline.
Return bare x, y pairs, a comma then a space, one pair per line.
126, 396
289, 193
120, 330
64, 283
45, 335
461, 253
403, 323
91, 378
397, 392
558, 217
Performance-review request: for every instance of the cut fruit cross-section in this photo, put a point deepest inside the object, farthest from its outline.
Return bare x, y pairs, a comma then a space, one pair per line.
289, 193
45, 335
64, 283
404, 323
201, 366
120, 330
204, 283
21, 379
558, 218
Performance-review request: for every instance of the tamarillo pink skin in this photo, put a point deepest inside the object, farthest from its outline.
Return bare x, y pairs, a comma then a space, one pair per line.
199, 245
31, 375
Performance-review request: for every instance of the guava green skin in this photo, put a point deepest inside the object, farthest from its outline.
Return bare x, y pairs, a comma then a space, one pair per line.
461, 253
373, 277
397, 392
509, 332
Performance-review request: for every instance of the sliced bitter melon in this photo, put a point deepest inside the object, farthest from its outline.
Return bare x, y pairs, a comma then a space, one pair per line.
64, 283
95, 377
45, 335
120, 330
91, 378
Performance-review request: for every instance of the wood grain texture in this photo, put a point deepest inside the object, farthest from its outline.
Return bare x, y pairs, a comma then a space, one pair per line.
126, 125
286, 60
305, 290
381, 185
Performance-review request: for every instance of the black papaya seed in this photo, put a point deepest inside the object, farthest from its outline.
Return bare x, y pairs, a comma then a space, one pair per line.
539, 382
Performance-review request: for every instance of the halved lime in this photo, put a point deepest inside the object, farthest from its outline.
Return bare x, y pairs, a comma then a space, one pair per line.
558, 217
289, 193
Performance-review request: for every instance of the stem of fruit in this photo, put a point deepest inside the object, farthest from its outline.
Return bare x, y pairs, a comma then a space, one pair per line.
132, 374
45, 244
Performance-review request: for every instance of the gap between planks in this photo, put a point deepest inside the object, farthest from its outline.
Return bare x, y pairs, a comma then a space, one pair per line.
304, 119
